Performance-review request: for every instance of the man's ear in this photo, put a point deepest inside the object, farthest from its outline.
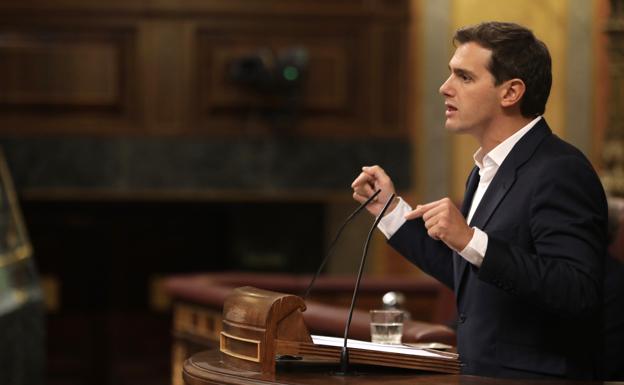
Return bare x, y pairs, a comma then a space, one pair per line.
512, 91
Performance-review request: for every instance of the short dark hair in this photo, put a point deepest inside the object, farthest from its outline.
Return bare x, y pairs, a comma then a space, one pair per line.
516, 53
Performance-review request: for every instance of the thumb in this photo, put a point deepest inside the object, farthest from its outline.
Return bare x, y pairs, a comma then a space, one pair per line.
417, 213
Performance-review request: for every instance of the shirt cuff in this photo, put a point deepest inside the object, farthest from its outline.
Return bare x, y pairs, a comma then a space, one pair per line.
392, 221
476, 248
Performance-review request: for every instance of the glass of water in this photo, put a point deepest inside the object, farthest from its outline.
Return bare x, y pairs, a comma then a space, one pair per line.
386, 326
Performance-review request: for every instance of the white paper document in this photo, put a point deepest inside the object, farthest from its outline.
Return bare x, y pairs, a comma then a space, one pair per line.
364, 345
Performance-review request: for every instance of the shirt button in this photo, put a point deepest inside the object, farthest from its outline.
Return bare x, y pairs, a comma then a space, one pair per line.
462, 318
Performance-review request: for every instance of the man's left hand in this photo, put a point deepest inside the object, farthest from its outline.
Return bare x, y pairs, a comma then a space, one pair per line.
444, 222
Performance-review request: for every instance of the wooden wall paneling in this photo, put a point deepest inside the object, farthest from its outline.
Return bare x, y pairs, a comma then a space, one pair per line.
225, 7
66, 78
393, 105
348, 76
165, 51
386, 86
162, 68
72, 74
375, 78
390, 7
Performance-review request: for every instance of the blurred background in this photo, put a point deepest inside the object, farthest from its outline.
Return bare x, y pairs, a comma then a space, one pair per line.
151, 138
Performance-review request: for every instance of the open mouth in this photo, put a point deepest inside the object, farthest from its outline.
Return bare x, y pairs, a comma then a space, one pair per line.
450, 109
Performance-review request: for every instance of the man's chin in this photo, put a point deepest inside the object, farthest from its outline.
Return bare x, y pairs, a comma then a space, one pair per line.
452, 127
455, 129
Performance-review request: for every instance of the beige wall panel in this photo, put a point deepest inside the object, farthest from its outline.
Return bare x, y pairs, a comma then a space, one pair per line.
601, 89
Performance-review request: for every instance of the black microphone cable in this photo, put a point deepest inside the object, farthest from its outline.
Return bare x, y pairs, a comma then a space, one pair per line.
344, 354
333, 243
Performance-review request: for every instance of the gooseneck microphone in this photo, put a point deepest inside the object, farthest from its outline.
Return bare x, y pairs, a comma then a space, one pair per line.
344, 353
333, 243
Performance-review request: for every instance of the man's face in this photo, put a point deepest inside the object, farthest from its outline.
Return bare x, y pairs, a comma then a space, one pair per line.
472, 100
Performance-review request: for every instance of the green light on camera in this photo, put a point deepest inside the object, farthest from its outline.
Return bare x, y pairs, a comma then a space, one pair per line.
290, 73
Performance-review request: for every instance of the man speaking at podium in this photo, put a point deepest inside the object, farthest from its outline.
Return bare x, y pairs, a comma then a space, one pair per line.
525, 253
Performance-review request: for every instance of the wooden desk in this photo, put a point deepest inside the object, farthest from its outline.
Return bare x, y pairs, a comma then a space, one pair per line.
206, 369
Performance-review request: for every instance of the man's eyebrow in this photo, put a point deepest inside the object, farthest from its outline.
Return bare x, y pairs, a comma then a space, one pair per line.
462, 71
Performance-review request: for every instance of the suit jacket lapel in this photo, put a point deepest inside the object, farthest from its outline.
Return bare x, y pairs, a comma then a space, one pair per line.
503, 180
495, 193
506, 175
471, 188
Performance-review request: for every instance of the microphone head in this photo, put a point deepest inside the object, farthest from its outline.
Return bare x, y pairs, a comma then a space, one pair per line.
393, 299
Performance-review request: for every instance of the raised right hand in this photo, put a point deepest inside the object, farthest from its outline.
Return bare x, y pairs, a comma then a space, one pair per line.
371, 179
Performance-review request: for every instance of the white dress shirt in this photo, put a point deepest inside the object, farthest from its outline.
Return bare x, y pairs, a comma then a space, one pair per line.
488, 165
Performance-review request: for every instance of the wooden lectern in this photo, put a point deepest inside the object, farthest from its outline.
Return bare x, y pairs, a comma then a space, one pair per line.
259, 325
253, 321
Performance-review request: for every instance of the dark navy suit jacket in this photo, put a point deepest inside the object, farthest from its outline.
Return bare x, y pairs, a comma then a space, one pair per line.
532, 308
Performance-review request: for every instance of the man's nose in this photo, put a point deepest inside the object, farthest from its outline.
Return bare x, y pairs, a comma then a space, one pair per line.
445, 88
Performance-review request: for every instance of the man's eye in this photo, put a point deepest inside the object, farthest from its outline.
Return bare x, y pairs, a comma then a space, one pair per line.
465, 77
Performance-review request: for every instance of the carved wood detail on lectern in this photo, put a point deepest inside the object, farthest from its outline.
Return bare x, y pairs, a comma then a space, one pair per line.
253, 320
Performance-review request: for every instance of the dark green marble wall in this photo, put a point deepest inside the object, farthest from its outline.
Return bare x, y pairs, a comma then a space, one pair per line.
257, 165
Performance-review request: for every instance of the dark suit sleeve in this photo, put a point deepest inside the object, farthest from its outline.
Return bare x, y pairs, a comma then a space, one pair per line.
433, 257
567, 221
